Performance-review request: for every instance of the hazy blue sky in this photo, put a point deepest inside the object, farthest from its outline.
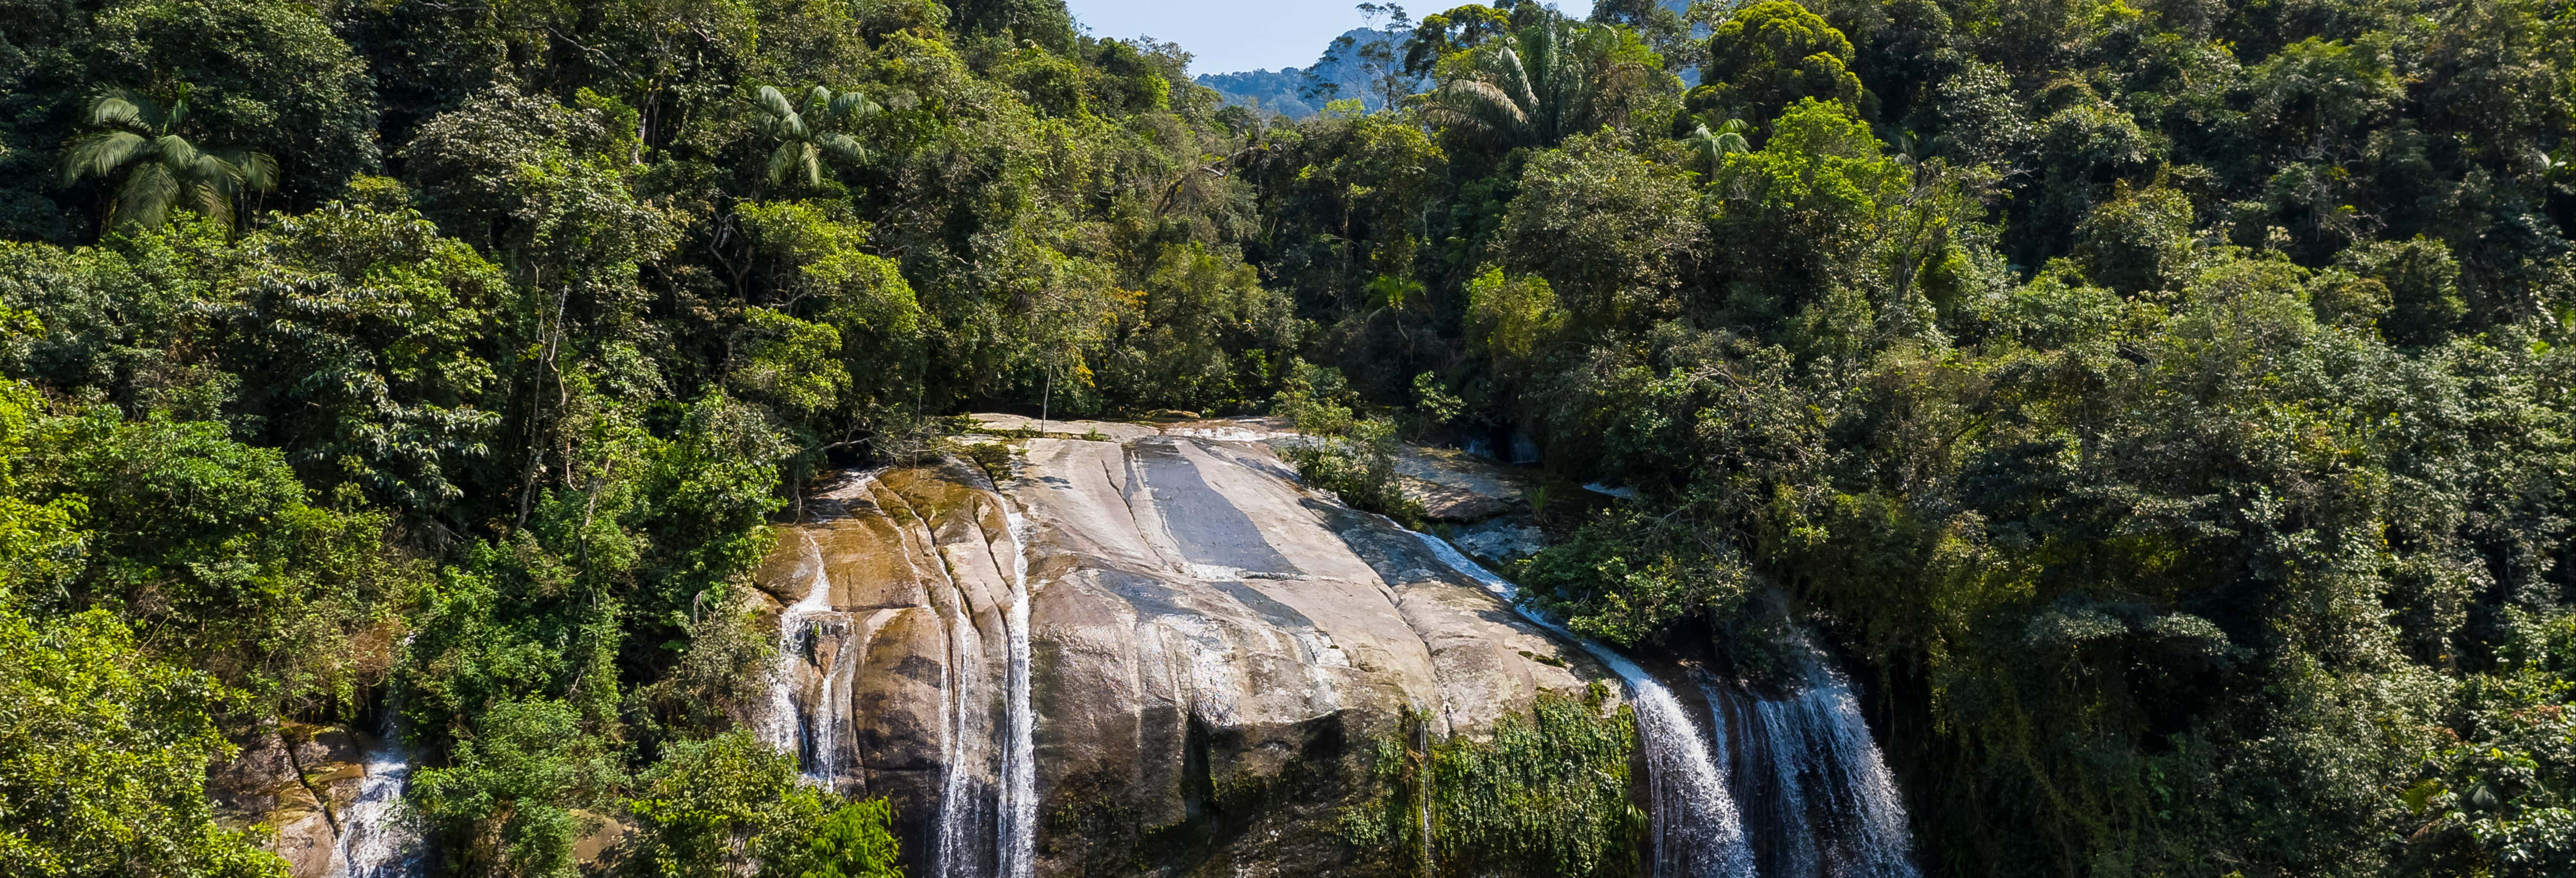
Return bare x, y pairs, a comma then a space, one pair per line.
1231, 35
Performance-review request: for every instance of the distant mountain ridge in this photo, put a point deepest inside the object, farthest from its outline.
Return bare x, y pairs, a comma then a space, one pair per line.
1285, 91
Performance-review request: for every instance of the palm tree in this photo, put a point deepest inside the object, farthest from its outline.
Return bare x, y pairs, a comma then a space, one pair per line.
1712, 147
1543, 83
806, 132
162, 168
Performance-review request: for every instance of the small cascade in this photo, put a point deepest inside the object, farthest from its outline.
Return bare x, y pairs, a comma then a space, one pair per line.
808, 700
1813, 784
375, 842
1018, 842
967, 809
1694, 822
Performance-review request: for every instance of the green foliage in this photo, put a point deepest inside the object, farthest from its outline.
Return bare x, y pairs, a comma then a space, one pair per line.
1774, 53
1626, 577
2163, 408
805, 131
103, 754
709, 803
2138, 242
853, 842
1611, 232
141, 139
512, 787
2494, 798
1546, 795
1351, 455
263, 76
186, 525
1549, 80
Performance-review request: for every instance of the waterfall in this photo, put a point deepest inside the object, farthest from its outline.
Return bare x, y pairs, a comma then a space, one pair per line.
1018, 842
964, 805
1814, 782
812, 638
1694, 823
374, 840
819, 652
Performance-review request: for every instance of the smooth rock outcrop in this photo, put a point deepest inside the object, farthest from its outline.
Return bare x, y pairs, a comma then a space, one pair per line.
1211, 650
299, 782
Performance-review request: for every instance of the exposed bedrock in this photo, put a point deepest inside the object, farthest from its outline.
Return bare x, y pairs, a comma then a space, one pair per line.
1204, 651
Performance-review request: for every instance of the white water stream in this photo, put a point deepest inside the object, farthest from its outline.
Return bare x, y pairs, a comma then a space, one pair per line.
982, 829
811, 632
1827, 805
374, 841
1695, 826
1018, 842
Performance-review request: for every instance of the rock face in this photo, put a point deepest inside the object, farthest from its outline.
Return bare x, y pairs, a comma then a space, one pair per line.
299, 782
1147, 653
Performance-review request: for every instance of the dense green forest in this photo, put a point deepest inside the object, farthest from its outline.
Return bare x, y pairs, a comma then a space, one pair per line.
2168, 411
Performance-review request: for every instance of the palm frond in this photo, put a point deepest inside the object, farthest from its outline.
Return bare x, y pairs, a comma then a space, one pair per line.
100, 154
773, 103
844, 147
174, 150
123, 108
782, 160
213, 189
258, 169
1730, 137
146, 196
1513, 78
1479, 105
851, 105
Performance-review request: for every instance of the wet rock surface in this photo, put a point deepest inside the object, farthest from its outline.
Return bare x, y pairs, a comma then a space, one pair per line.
298, 781
1210, 652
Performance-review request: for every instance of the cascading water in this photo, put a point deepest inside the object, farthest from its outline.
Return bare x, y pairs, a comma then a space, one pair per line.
816, 662
982, 829
374, 841
1018, 842
1695, 827
967, 809
1814, 783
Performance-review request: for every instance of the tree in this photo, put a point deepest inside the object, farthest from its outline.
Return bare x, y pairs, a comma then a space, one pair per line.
1770, 54
162, 169
709, 806
103, 746
1711, 147
513, 785
269, 75
103, 755
1551, 80
1612, 233
185, 524
807, 131
854, 842
1439, 36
